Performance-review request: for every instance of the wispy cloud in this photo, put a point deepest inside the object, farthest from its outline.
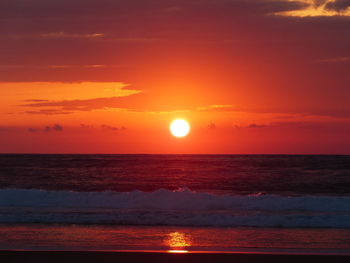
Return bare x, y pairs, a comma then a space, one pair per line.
77, 36
106, 127
34, 100
335, 60
55, 98
314, 8
57, 35
48, 112
216, 107
58, 66
250, 126
254, 125
70, 35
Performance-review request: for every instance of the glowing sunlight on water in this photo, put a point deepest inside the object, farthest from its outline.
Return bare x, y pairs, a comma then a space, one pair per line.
177, 241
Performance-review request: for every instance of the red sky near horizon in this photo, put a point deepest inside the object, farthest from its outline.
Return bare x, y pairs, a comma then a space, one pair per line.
103, 76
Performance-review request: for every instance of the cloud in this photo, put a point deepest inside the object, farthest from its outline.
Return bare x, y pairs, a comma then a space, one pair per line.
67, 35
49, 98
145, 103
254, 125
250, 126
57, 127
200, 45
104, 127
335, 60
56, 35
57, 67
320, 8
112, 128
76, 36
338, 5
315, 127
216, 107
48, 128
49, 112
139, 102
211, 126
81, 105
36, 100
92, 66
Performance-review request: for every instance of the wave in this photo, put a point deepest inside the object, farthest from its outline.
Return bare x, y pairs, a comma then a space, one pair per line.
178, 208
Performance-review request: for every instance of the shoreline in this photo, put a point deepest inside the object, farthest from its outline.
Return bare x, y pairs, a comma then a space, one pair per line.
159, 239
142, 256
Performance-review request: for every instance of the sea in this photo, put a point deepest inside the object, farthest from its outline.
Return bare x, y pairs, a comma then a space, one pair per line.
175, 203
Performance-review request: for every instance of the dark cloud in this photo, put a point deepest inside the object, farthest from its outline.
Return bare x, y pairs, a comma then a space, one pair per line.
48, 128
80, 105
250, 126
112, 128
34, 100
57, 127
48, 112
318, 3
338, 5
211, 126
254, 125
104, 127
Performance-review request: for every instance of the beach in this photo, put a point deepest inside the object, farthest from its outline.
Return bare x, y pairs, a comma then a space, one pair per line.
79, 256
208, 208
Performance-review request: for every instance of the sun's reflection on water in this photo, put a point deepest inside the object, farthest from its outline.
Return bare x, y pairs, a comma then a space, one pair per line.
177, 251
177, 242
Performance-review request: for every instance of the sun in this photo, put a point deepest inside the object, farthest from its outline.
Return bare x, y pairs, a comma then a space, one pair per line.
179, 128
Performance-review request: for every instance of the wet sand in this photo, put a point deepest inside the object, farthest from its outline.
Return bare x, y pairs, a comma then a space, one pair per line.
125, 257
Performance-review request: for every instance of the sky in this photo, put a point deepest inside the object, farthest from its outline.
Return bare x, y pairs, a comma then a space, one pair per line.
109, 76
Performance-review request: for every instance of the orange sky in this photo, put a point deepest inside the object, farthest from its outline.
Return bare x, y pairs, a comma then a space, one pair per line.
259, 76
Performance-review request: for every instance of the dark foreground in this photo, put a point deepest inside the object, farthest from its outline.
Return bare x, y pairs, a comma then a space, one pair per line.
100, 257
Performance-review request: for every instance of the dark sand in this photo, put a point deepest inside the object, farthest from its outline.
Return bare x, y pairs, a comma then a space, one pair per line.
101, 257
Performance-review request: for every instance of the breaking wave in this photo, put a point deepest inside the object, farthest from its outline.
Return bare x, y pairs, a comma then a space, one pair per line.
177, 208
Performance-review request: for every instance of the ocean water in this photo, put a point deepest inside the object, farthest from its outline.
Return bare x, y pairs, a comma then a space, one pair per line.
159, 202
